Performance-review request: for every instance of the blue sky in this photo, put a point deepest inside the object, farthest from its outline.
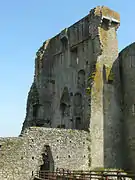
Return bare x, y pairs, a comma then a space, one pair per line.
24, 26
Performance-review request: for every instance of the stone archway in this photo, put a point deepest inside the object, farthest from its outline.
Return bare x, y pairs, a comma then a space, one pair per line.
48, 162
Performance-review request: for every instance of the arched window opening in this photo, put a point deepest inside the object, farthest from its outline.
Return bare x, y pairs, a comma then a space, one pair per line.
64, 42
81, 78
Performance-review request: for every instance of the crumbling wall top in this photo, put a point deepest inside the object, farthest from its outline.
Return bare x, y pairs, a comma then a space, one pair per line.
107, 12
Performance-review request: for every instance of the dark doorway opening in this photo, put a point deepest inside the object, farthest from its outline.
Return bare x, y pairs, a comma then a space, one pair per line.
48, 163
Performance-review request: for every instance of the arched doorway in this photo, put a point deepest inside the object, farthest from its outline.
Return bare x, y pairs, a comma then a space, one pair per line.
48, 163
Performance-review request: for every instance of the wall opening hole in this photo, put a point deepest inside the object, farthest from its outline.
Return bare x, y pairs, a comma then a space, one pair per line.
69, 156
21, 157
71, 94
57, 157
33, 157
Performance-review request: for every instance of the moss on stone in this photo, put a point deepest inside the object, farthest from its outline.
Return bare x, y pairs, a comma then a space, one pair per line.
103, 37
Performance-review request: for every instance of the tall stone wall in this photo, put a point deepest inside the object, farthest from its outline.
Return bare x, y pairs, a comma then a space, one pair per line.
21, 157
63, 67
77, 84
105, 122
127, 67
112, 113
57, 97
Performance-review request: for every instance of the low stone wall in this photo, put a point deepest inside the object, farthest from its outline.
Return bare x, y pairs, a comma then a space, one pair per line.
21, 157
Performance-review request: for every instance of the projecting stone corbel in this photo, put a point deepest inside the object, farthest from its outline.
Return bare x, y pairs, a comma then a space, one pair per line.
110, 21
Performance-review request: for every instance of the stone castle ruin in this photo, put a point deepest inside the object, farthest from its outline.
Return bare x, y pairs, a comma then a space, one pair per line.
80, 108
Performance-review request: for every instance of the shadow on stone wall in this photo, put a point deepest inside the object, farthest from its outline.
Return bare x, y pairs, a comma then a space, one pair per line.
114, 151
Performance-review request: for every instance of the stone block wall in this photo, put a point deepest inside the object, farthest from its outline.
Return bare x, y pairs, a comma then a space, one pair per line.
73, 87
127, 69
105, 122
63, 66
57, 97
79, 83
21, 157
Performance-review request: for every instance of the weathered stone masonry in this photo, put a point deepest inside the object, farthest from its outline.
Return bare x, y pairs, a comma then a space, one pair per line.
69, 86
63, 66
127, 76
80, 109
21, 157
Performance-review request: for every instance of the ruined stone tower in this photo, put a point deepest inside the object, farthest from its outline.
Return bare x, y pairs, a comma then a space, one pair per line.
79, 107
72, 77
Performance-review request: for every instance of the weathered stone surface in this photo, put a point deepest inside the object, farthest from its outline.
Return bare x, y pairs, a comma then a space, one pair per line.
22, 156
66, 62
80, 109
127, 72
